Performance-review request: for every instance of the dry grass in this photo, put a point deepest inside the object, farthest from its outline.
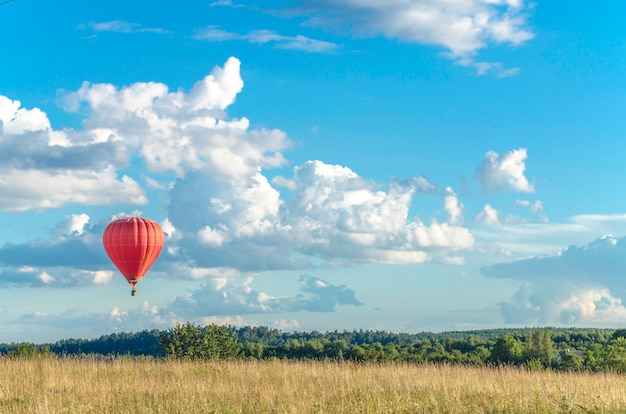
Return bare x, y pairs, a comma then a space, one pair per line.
43, 385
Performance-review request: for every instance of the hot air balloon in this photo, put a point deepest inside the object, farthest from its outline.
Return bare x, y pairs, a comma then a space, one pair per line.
133, 244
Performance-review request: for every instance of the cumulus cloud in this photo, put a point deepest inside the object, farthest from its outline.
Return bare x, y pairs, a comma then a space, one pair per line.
223, 214
340, 214
79, 323
453, 206
463, 28
198, 307
489, 216
227, 213
234, 298
298, 42
72, 225
17, 120
504, 172
178, 132
72, 256
581, 285
530, 213
234, 302
34, 158
333, 215
26, 190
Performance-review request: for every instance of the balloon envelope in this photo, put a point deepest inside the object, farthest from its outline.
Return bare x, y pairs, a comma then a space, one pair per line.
133, 244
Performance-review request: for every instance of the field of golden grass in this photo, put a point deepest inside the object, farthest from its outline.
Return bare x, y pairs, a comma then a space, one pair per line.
47, 385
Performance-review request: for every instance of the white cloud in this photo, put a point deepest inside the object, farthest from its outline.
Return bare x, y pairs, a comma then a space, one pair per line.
178, 132
581, 285
237, 297
298, 42
224, 320
462, 27
119, 26
117, 315
333, 214
101, 277
215, 34
72, 225
225, 3
23, 190
594, 306
488, 216
453, 206
182, 133
33, 164
53, 276
72, 256
336, 212
285, 325
221, 304
453, 260
218, 89
519, 239
223, 213
280, 181
46, 278
535, 207
504, 172
15, 120
209, 236
576, 306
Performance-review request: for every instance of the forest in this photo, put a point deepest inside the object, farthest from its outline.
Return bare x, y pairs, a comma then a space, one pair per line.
571, 349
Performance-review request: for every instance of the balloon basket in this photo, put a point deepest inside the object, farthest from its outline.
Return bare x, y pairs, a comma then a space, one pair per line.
133, 292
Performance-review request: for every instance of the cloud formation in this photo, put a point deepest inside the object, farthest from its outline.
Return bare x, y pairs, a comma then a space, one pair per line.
72, 256
505, 172
222, 213
230, 298
119, 26
582, 285
231, 302
298, 42
34, 158
463, 28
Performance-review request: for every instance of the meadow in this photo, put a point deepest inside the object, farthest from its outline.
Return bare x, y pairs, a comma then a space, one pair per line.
124, 385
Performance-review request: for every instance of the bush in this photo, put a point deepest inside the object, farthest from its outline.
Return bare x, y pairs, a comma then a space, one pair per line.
28, 350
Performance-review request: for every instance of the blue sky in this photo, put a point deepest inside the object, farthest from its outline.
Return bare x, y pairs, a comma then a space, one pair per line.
316, 165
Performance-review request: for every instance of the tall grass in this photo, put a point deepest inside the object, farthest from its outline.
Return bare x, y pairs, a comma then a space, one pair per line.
47, 385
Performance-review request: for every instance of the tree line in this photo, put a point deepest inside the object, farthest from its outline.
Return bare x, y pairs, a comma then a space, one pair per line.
556, 348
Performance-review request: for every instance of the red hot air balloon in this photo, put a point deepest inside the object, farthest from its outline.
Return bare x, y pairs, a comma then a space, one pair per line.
133, 244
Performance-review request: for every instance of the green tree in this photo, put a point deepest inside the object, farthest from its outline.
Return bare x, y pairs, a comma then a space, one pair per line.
614, 355
619, 333
336, 349
569, 361
254, 349
506, 350
191, 341
478, 356
539, 347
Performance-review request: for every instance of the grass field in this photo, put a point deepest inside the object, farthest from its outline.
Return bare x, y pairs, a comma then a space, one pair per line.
47, 385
